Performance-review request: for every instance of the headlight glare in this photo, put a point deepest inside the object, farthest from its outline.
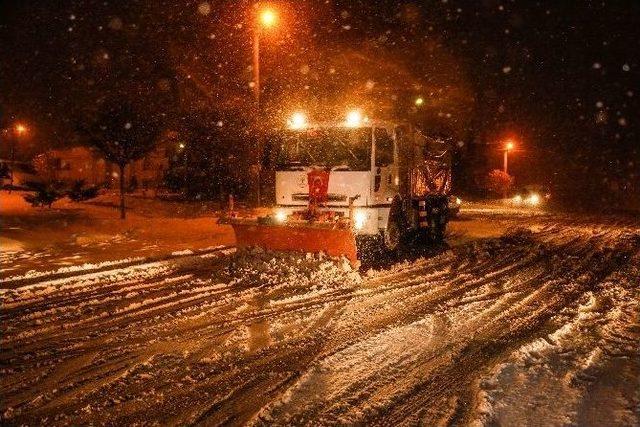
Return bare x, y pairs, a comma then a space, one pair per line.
280, 215
359, 219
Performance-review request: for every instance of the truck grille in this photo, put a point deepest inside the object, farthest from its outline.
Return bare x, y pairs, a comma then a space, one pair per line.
331, 197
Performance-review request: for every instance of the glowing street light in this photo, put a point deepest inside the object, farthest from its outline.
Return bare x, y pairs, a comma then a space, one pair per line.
268, 17
21, 129
419, 101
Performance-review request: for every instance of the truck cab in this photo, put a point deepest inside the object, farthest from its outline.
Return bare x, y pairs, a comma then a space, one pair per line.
371, 168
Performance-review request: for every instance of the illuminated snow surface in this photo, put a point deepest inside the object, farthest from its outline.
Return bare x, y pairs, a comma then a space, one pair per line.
537, 327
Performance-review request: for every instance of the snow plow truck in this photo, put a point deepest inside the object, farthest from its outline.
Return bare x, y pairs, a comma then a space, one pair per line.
341, 185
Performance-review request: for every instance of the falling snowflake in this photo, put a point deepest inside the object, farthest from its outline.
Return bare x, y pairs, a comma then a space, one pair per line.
164, 85
506, 70
626, 67
204, 8
596, 65
115, 23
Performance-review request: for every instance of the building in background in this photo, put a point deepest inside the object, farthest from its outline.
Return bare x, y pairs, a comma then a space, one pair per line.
17, 174
84, 163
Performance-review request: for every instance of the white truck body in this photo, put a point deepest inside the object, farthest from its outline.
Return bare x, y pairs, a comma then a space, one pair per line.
371, 192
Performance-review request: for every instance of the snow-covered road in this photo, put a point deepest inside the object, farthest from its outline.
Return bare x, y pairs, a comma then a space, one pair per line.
538, 327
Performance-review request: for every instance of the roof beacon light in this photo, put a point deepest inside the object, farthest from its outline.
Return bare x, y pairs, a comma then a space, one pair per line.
298, 120
354, 118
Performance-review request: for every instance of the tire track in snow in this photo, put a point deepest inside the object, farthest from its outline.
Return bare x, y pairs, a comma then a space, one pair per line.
482, 300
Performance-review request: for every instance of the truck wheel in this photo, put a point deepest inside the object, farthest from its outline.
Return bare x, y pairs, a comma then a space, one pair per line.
439, 226
392, 235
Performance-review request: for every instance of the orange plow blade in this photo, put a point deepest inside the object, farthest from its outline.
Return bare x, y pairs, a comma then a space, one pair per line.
304, 237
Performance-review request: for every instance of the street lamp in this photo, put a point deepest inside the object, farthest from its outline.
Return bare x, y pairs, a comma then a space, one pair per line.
508, 146
19, 130
268, 17
265, 18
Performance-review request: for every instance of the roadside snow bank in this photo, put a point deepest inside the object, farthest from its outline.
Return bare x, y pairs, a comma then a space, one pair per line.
279, 270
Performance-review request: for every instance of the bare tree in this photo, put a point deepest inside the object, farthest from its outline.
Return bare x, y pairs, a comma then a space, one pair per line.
123, 133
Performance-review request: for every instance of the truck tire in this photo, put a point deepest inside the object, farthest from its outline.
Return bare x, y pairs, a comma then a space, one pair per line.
439, 226
438, 219
392, 235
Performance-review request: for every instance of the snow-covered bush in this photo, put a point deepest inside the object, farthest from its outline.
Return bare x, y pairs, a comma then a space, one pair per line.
79, 191
44, 195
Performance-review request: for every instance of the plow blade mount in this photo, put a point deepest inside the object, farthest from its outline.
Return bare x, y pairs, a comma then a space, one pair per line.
327, 238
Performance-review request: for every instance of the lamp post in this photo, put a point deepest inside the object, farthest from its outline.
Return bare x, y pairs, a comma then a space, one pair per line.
507, 147
19, 130
265, 18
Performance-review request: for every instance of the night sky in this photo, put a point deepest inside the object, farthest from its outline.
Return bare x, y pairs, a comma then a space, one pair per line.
560, 77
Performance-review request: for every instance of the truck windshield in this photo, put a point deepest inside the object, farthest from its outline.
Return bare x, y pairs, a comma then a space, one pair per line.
336, 148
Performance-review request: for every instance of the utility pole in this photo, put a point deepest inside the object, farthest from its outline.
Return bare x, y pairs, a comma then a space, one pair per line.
506, 160
256, 91
263, 18
508, 146
20, 130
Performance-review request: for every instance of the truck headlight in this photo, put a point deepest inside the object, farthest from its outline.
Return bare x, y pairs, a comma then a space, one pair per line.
534, 199
359, 219
280, 215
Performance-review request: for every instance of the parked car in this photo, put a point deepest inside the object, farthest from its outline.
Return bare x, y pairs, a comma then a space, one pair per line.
532, 195
453, 204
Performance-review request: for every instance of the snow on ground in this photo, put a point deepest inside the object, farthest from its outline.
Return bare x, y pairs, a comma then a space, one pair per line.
37, 240
586, 371
532, 320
